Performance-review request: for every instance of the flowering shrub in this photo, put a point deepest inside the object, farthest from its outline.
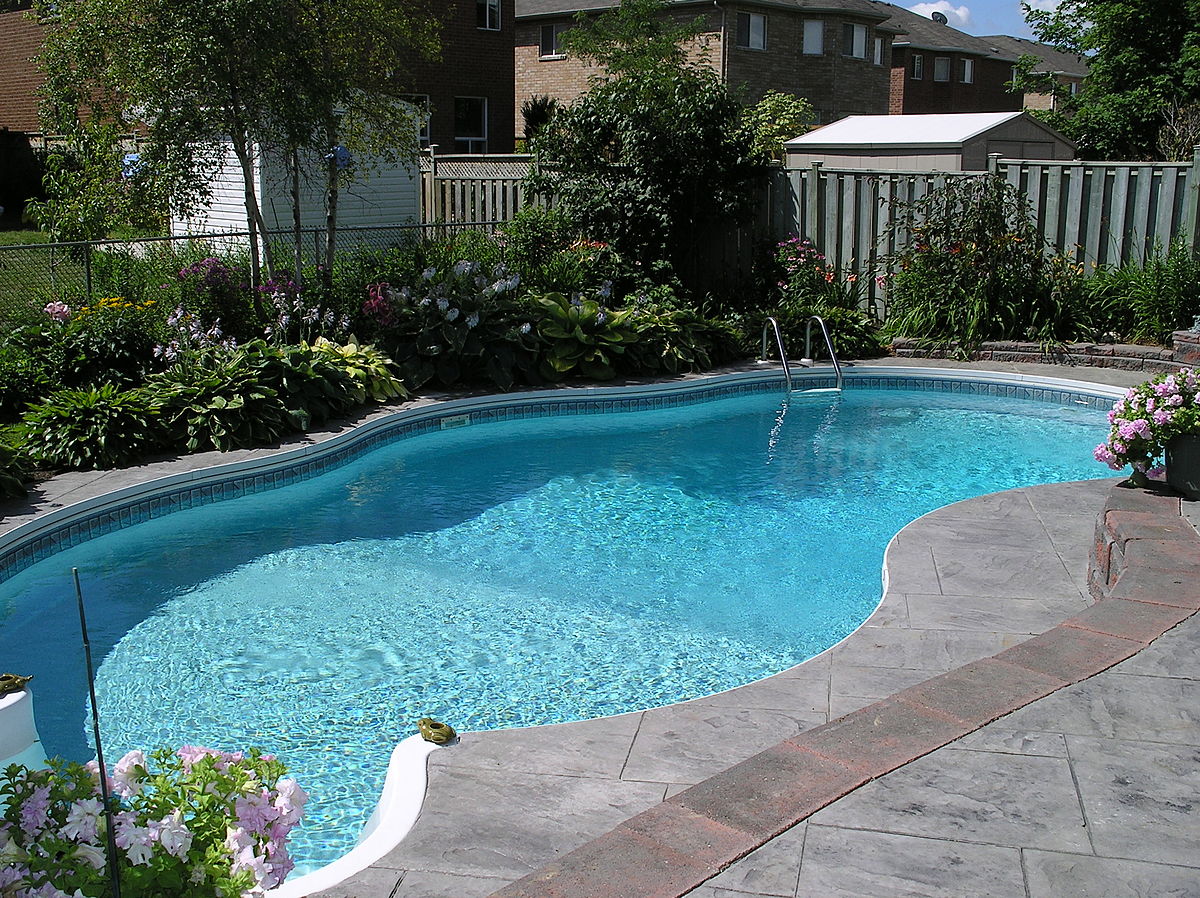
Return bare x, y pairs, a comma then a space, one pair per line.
193, 823
807, 277
297, 318
58, 311
1148, 417
218, 293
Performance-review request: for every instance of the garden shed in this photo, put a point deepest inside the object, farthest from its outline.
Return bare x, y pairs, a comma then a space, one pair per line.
388, 196
943, 142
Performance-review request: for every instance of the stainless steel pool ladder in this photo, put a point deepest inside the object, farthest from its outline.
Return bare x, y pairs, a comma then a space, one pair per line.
771, 326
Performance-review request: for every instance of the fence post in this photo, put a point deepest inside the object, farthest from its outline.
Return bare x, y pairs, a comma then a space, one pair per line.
993, 163
812, 206
1192, 225
87, 270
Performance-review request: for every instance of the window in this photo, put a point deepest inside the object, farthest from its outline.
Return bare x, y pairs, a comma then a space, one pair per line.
941, 68
918, 67
551, 45
854, 41
814, 37
1074, 88
421, 102
470, 124
878, 58
487, 14
968, 71
752, 31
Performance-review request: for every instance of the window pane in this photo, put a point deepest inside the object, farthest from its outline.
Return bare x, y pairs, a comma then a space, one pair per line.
814, 37
878, 51
968, 71
487, 14
743, 29
918, 67
550, 39
941, 68
470, 117
758, 32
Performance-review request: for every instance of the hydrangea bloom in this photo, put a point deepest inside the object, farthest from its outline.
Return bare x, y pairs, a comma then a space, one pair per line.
1145, 420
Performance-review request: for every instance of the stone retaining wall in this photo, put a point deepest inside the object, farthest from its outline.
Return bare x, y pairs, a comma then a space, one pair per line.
1145, 550
1126, 356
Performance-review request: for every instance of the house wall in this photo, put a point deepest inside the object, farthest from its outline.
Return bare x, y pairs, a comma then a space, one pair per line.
836, 85
1047, 101
986, 92
474, 62
21, 38
386, 197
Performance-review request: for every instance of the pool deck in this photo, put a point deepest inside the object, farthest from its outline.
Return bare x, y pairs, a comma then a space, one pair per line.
991, 730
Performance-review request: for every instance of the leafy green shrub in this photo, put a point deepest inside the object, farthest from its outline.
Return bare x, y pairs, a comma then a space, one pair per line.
581, 337
101, 427
855, 334
369, 370
112, 340
974, 268
675, 341
311, 387
458, 324
1147, 303
532, 238
23, 379
13, 472
217, 400
218, 293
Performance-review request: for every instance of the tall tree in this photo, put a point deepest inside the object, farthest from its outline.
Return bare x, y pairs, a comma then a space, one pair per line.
656, 157
1141, 98
194, 76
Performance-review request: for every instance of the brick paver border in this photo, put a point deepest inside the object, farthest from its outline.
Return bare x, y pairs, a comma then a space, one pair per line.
1144, 573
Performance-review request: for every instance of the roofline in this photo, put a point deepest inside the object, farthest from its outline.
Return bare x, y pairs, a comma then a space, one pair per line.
880, 19
932, 48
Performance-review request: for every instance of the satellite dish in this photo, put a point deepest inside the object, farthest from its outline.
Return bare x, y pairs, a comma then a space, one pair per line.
940, 18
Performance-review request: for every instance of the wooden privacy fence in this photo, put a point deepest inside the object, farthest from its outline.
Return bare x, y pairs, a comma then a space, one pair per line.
470, 189
1098, 213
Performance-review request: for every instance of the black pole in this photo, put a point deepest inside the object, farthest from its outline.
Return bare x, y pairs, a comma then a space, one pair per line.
113, 872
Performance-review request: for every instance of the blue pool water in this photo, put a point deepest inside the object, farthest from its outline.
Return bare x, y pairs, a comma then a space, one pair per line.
509, 574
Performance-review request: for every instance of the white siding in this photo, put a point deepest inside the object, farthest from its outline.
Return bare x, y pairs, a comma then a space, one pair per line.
386, 196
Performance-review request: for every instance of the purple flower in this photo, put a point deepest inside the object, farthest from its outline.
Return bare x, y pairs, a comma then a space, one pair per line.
35, 810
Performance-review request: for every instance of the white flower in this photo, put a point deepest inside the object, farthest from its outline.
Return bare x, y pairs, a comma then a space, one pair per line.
452, 314
526, 327
128, 773
443, 304
472, 319
81, 820
93, 854
173, 835
463, 267
429, 273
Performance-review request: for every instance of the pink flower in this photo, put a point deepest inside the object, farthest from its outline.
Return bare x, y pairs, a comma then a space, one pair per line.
58, 311
81, 820
128, 773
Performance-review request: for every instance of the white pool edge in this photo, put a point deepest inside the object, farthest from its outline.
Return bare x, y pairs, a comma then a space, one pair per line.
394, 816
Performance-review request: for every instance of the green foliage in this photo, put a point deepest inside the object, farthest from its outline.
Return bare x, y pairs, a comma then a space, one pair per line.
218, 292
218, 400
102, 427
532, 238
638, 36
23, 379
973, 268
776, 119
90, 192
13, 472
536, 113
677, 341
1144, 74
459, 324
855, 334
581, 337
369, 370
651, 163
309, 385
1147, 303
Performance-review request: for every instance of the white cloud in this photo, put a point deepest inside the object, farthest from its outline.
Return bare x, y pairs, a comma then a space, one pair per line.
957, 16
1046, 5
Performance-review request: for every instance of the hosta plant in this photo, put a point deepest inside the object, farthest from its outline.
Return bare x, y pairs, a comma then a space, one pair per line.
102, 427
215, 402
582, 337
309, 385
368, 368
192, 823
13, 473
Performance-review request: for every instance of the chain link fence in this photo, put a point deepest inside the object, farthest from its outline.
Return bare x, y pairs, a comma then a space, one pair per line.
33, 275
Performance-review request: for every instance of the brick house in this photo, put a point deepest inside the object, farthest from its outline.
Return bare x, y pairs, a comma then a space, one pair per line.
835, 53
20, 77
938, 69
469, 92
1067, 69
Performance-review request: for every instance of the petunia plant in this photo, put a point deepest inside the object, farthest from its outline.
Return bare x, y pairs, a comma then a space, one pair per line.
191, 823
1146, 420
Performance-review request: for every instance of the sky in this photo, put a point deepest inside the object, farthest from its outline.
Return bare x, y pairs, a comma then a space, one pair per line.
982, 16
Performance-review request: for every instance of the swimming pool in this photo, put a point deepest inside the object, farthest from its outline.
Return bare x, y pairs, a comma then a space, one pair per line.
532, 552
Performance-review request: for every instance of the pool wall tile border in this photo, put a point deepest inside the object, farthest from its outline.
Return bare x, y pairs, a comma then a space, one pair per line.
71, 525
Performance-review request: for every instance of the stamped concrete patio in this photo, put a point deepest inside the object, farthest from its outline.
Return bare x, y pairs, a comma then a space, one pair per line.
787, 787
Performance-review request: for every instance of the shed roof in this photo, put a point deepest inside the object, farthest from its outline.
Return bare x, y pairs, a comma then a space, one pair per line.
943, 129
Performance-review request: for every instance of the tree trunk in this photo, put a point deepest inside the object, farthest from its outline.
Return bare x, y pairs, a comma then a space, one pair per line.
331, 201
255, 223
297, 233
